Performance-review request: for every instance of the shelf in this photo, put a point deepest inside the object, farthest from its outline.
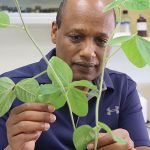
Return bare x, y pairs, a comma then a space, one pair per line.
32, 18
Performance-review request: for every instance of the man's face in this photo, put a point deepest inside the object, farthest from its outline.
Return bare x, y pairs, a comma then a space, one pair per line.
82, 37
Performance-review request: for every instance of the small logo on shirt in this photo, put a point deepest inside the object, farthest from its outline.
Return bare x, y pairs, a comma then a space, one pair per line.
110, 111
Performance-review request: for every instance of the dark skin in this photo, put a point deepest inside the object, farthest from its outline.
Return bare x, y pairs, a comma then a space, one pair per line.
80, 41
24, 127
82, 37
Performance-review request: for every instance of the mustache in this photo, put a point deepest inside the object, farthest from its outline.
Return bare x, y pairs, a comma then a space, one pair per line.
86, 64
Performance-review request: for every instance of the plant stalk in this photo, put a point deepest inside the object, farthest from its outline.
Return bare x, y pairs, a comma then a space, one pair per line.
113, 53
101, 81
46, 60
38, 75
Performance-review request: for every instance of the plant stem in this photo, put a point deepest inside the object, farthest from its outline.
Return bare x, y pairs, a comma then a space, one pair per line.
38, 75
28, 33
113, 53
101, 81
46, 60
98, 98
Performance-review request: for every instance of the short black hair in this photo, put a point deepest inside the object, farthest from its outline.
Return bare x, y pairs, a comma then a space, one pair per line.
60, 13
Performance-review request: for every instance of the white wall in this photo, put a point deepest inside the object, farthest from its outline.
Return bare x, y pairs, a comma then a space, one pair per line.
17, 50
120, 62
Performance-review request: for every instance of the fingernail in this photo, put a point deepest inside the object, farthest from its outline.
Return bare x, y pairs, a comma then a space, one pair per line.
38, 134
47, 126
51, 108
52, 118
90, 146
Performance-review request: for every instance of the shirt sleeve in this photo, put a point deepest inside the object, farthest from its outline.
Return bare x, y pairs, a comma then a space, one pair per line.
131, 117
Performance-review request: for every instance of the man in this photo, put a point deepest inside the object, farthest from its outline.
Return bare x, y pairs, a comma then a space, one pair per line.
80, 34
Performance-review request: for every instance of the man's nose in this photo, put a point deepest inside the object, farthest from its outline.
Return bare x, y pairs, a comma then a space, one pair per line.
89, 49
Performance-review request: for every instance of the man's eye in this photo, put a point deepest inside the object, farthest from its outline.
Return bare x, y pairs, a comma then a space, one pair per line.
101, 42
76, 38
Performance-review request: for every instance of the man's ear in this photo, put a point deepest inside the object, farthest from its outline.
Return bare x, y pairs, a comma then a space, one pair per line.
54, 29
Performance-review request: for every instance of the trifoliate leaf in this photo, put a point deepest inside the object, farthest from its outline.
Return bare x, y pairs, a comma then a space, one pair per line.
78, 102
7, 94
82, 136
83, 83
112, 5
27, 90
131, 49
50, 94
137, 4
118, 40
48, 89
144, 48
62, 70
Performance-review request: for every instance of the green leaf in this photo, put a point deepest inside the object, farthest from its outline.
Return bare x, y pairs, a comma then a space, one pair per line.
131, 50
118, 139
4, 20
6, 84
27, 90
105, 127
82, 136
48, 89
6, 103
112, 5
7, 95
78, 102
53, 97
83, 83
137, 4
62, 70
144, 48
118, 40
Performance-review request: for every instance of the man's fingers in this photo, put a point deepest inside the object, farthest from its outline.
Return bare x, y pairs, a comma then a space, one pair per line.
107, 140
115, 146
102, 141
20, 139
33, 107
90, 146
28, 127
33, 116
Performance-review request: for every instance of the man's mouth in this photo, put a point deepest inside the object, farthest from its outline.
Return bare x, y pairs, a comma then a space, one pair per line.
86, 66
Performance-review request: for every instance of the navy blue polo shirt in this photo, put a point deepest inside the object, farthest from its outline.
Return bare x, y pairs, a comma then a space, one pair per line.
119, 108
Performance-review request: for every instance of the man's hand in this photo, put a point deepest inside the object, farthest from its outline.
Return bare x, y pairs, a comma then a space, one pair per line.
106, 142
26, 123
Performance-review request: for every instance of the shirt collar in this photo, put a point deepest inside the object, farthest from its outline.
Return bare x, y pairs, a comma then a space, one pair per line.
108, 80
107, 84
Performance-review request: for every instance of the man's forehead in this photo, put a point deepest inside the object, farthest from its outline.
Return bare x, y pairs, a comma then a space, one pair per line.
89, 6
85, 2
